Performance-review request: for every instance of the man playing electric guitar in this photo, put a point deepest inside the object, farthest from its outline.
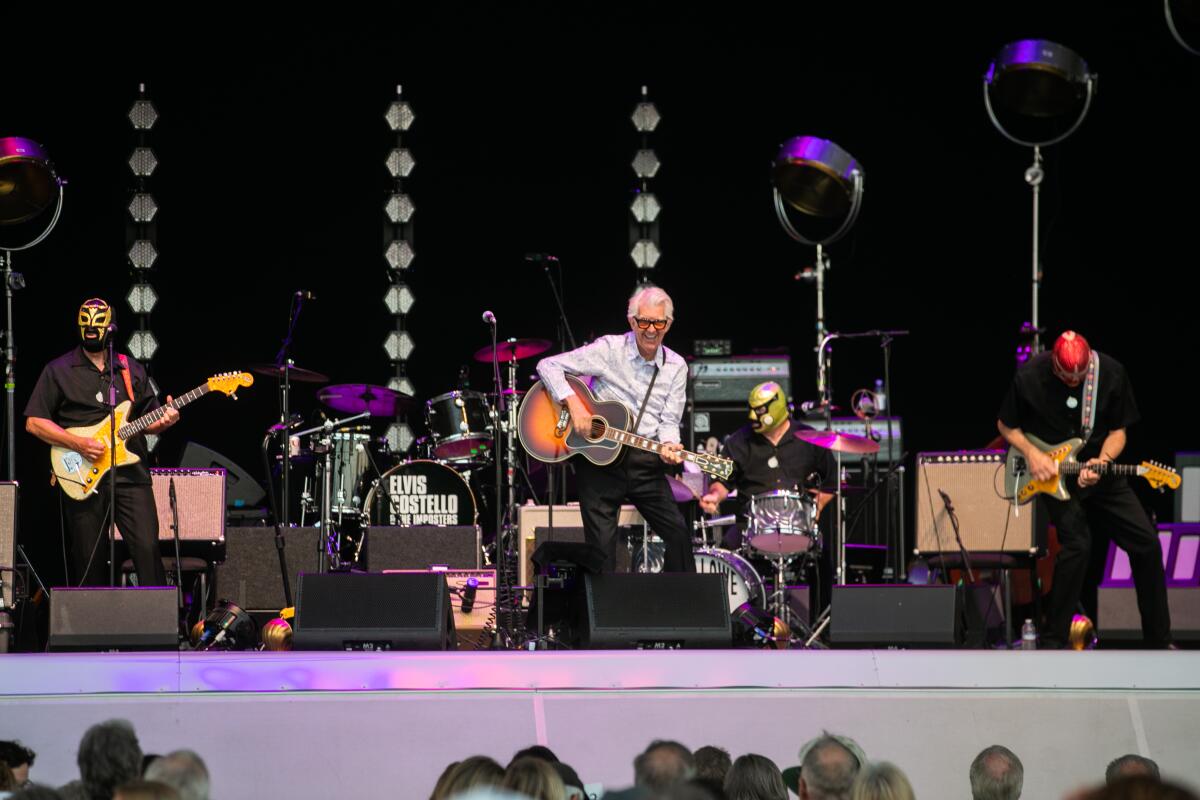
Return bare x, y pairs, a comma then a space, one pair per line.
71, 392
651, 381
1074, 391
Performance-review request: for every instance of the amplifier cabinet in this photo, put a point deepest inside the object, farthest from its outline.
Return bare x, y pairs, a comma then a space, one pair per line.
200, 497
530, 518
974, 482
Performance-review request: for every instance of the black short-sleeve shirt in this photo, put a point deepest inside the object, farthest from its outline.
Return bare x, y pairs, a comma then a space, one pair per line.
1038, 402
759, 466
71, 392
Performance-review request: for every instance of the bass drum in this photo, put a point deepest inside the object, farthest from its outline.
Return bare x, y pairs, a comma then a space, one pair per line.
420, 493
743, 581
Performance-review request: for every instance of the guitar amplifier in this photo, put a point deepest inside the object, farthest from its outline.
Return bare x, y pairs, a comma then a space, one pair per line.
730, 379
200, 497
8, 543
974, 482
567, 520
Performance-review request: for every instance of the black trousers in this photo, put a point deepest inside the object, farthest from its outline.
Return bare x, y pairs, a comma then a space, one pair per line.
87, 534
640, 478
1086, 521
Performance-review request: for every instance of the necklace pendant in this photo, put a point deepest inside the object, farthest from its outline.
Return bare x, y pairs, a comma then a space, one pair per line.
1072, 402
773, 462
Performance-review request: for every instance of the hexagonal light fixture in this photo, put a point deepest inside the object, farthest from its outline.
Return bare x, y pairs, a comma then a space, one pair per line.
399, 437
403, 386
143, 115
143, 208
399, 254
400, 208
645, 207
142, 298
143, 162
399, 299
143, 254
645, 117
400, 116
399, 346
645, 254
646, 164
142, 345
400, 162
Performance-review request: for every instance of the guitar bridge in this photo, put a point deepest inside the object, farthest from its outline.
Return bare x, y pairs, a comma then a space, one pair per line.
564, 419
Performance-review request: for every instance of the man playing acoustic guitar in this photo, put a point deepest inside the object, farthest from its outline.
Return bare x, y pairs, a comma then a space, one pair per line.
1074, 391
71, 392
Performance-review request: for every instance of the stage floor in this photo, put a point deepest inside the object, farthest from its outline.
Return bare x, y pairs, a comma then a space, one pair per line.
385, 724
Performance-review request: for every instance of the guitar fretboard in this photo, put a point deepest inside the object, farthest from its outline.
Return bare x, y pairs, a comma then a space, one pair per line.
649, 445
1103, 468
145, 421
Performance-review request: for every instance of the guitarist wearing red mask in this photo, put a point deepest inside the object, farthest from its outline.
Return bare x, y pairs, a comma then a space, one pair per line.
71, 392
1074, 391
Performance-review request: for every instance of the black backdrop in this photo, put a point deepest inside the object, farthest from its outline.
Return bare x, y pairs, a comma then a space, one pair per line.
272, 142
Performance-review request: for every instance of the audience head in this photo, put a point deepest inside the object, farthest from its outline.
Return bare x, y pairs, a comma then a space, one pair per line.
754, 777
881, 781
534, 777
109, 755
19, 759
146, 790
828, 766
8, 781
1130, 765
1140, 787
572, 784
535, 751
35, 792
996, 774
663, 764
470, 773
712, 762
184, 770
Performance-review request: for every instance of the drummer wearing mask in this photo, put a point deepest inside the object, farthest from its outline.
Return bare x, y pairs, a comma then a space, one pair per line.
768, 457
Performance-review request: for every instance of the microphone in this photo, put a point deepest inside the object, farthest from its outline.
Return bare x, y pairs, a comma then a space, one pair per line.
946, 501
489, 318
112, 327
304, 294
468, 594
540, 258
171, 492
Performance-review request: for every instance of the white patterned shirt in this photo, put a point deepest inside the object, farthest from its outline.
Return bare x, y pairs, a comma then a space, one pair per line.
622, 374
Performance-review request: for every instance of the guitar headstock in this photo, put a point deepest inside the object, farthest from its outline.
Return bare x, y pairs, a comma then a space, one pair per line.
1159, 475
715, 465
230, 382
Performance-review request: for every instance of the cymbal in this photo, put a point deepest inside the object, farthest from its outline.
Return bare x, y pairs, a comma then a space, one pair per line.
355, 398
839, 442
514, 349
297, 374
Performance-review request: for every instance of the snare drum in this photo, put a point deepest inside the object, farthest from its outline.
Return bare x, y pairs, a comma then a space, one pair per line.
420, 493
460, 426
743, 581
782, 522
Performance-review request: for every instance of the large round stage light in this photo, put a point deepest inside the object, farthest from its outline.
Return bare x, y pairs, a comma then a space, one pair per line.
30, 193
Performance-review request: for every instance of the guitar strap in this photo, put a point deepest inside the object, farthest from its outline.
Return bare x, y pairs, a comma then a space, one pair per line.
1090, 397
645, 399
125, 374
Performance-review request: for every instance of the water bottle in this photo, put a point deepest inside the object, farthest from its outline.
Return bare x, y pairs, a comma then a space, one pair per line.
1028, 636
880, 397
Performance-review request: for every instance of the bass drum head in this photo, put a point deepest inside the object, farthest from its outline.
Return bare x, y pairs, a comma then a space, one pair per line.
743, 581
421, 493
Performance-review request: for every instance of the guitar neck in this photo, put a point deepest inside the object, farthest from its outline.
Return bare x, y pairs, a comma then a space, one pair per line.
642, 443
1103, 468
146, 420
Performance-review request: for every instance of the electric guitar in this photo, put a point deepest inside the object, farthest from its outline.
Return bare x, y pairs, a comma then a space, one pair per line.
545, 431
79, 477
1020, 483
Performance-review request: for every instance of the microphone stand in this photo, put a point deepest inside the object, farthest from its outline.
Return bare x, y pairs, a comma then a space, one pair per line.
175, 536
112, 464
565, 336
962, 549
284, 363
499, 452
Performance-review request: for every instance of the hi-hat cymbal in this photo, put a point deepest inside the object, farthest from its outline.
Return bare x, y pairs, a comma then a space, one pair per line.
296, 374
839, 442
355, 398
514, 349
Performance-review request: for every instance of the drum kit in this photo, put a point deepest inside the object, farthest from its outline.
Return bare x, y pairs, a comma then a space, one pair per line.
356, 481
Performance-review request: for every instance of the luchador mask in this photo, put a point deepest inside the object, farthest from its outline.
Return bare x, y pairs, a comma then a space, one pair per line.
95, 315
768, 406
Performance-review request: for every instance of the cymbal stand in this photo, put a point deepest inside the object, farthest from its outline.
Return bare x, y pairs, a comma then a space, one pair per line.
328, 556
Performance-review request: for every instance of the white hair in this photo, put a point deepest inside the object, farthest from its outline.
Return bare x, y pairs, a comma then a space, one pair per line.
650, 295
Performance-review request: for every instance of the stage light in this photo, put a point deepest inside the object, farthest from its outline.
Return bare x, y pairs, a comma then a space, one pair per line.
28, 183
142, 298
645, 116
645, 207
143, 162
1037, 92
399, 254
227, 627
400, 162
399, 299
402, 385
645, 254
400, 115
143, 345
646, 163
399, 437
819, 179
143, 115
400, 208
1183, 20
143, 254
399, 346
142, 208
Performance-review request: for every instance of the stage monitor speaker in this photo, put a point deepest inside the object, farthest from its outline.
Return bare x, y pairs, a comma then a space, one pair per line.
114, 619
974, 482
250, 578
241, 489
895, 616
421, 547
656, 611
8, 542
1118, 618
373, 611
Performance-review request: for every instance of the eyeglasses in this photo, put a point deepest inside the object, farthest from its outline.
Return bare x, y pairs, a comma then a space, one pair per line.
643, 324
